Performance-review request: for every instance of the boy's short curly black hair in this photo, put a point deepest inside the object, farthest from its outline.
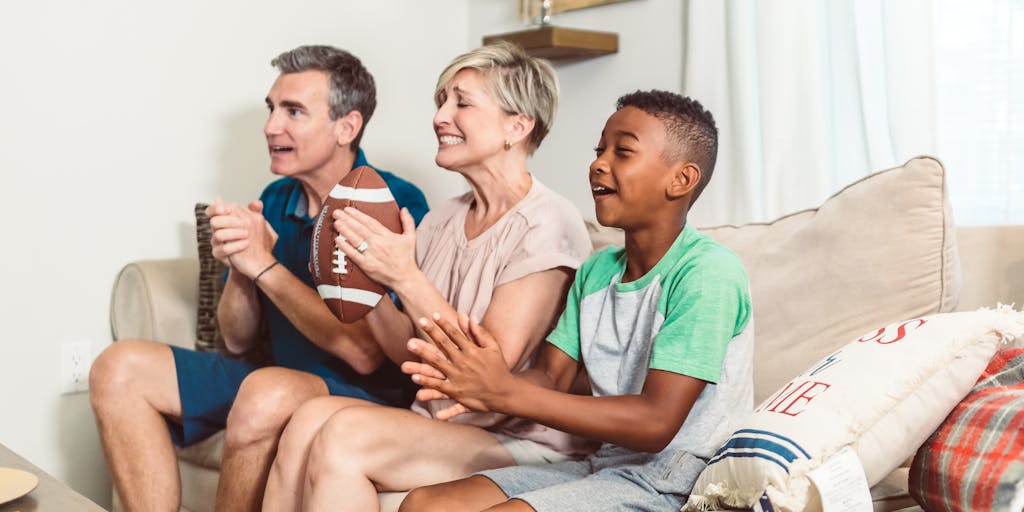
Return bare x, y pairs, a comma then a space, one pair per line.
692, 134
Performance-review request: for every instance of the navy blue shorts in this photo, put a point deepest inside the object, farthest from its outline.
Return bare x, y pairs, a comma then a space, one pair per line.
208, 383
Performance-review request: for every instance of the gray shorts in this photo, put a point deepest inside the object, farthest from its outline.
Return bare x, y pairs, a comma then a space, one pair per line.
618, 480
529, 453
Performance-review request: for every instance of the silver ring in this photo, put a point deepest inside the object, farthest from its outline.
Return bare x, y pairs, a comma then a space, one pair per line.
363, 246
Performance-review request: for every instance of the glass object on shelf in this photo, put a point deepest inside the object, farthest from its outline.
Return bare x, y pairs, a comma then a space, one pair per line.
545, 13
538, 12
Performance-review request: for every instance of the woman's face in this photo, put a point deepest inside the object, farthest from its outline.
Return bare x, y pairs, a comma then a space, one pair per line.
470, 126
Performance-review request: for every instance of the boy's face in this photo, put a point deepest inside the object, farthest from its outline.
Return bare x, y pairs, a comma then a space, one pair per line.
629, 176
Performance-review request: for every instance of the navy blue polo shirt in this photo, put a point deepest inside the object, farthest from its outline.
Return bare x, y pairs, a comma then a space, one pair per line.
286, 209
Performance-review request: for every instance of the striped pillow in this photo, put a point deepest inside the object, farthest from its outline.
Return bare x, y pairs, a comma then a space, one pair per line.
975, 460
880, 396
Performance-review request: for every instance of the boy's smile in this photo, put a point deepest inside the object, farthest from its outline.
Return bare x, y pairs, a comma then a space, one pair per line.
629, 175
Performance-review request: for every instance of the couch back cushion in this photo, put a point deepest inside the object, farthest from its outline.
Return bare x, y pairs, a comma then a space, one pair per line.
880, 250
992, 259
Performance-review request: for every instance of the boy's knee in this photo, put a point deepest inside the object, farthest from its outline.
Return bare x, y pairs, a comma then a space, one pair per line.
430, 499
419, 500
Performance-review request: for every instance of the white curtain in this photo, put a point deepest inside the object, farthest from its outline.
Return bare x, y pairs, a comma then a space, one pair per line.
980, 107
812, 95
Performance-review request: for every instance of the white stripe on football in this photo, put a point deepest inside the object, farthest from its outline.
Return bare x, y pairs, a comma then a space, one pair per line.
363, 195
356, 295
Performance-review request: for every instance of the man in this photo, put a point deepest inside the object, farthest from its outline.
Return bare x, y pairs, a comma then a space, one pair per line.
148, 395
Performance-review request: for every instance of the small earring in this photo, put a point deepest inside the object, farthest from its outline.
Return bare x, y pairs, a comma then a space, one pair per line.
508, 145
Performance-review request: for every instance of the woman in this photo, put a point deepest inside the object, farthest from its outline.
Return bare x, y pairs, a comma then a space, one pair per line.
504, 252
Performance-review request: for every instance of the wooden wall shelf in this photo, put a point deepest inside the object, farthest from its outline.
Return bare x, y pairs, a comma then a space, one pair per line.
559, 43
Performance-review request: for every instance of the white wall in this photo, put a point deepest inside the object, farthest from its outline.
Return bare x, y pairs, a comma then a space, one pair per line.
117, 116
649, 57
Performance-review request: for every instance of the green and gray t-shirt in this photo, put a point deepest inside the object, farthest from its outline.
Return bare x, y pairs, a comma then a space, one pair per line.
689, 315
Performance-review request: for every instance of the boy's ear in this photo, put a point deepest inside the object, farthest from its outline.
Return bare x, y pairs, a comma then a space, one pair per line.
347, 127
518, 128
685, 177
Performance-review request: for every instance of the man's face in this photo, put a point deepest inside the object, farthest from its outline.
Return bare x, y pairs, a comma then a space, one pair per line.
301, 137
629, 176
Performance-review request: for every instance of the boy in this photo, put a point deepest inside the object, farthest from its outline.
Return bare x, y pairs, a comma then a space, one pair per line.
662, 327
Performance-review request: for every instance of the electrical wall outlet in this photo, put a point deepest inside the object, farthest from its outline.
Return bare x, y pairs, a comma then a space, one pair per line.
75, 360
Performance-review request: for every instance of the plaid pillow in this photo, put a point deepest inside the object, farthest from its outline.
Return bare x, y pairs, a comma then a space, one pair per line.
975, 460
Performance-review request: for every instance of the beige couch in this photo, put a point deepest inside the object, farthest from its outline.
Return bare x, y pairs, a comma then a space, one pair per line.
880, 250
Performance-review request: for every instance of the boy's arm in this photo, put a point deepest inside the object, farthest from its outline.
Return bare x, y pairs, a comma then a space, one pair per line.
646, 422
468, 370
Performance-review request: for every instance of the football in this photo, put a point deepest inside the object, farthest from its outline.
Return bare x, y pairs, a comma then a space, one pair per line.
349, 293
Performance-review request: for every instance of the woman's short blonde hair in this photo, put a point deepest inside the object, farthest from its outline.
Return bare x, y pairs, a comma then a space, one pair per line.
521, 84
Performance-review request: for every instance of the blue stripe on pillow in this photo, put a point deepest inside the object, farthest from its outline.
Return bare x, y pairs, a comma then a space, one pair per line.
761, 444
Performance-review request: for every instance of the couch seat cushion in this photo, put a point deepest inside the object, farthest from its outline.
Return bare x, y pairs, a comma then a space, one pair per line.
206, 453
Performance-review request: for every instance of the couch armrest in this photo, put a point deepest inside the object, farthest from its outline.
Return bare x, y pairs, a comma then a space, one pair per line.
156, 300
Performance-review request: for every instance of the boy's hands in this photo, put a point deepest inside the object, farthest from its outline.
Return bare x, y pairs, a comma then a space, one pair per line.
468, 368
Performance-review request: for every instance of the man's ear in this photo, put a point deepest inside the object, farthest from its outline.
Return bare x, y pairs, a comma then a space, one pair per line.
685, 177
347, 127
518, 128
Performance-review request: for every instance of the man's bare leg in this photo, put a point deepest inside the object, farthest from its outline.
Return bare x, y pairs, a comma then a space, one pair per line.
265, 403
287, 474
132, 387
361, 450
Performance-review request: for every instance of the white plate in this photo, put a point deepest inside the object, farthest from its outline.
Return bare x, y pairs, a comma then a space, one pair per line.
15, 483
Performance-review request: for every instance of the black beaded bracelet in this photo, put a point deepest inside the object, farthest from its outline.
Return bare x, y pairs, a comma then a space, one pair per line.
264, 271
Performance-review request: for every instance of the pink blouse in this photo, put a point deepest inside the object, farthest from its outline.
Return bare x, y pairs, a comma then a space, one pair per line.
542, 231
